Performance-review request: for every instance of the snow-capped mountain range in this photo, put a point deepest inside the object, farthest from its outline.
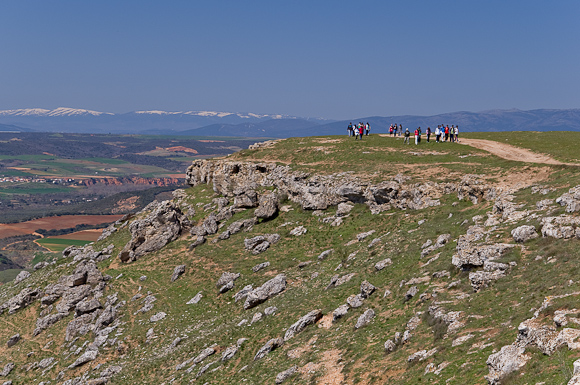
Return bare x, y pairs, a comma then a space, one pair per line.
153, 122
63, 111
216, 123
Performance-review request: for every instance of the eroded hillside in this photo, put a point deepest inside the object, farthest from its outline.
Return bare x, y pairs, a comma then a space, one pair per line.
318, 260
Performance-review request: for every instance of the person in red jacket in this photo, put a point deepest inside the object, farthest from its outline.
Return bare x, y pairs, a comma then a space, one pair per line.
361, 130
446, 132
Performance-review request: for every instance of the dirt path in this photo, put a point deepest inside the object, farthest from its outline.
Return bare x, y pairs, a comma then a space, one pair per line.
509, 152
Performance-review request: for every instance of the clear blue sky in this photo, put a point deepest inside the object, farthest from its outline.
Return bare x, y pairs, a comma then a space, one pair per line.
332, 59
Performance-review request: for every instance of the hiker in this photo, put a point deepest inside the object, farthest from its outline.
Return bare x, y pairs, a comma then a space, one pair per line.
416, 136
361, 130
456, 132
407, 134
368, 128
391, 130
400, 129
355, 131
395, 130
451, 133
437, 134
428, 132
349, 129
446, 132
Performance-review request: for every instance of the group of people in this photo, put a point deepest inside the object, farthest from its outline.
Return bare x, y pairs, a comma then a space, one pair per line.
358, 130
442, 133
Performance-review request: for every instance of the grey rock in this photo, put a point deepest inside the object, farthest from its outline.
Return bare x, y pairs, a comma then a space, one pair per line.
482, 279
325, 254
362, 236
271, 310
210, 225
366, 289
442, 274
46, 362
509, 359
13, 340
343, 209
226, 277
205, 353
227, 287
40, 265
240, 225
142, 278
21, 276
268, 206
382, 264
469, 256
247, 199
87, 306
7, 369
260, 266
164, 224
242, 294
257, 317
229, 353
332, 282
269, 289
271, 345
340, 312
200, 240
80, 325
87, 356
106, 318
157, 317
411, 293
571, 200
390, 346
309, 319
365, 319
195, 299
177, 272
148, 304
524, 233
355, 301
72, 296
90, 269
298, 231
286, 374
46, 322
74, 279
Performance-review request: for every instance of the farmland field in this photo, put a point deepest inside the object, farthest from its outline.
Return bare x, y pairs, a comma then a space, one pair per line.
53, 223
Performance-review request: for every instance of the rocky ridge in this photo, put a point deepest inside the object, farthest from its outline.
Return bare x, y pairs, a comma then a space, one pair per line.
85, 298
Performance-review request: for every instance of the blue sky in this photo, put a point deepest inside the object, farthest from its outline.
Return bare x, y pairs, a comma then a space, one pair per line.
331, 59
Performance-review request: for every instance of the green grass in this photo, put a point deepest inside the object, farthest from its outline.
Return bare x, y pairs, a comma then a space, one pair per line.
59, 244
491, 315
32, 188
9, 275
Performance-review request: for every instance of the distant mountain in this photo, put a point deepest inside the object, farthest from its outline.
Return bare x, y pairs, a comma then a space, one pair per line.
495, 120
214, 123
12, 128
273, 128
137, 122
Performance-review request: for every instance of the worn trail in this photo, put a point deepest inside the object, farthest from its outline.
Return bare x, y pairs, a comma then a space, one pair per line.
509, 152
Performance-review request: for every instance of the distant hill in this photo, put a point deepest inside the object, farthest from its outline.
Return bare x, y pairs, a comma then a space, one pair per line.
12, 128
279, 126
